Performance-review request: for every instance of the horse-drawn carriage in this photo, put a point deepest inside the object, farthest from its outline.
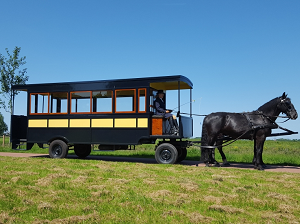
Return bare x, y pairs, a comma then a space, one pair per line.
116, 114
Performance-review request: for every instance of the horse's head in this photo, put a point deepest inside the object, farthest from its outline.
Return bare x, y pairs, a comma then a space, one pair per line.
285, 106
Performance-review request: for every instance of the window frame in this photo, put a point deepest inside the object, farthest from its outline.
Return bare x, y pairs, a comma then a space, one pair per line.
134, 102
112, 103
67, 103
90, 102
33, 113
145, 109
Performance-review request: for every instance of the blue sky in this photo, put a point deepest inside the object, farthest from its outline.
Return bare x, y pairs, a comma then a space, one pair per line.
238, 54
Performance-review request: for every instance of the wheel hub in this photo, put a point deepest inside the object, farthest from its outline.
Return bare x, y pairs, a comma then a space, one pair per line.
166, 154
57, 150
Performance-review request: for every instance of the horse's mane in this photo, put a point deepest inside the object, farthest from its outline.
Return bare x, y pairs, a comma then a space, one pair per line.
271, 104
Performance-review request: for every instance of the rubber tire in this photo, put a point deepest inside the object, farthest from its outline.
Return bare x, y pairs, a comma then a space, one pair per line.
82, 151
166, 153
182, 154
58, 149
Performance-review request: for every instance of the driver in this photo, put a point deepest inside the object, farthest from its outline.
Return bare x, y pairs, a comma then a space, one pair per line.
160, 107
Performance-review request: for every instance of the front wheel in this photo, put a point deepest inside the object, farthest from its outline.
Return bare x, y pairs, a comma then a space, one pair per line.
166, 153
58, 149
82, 151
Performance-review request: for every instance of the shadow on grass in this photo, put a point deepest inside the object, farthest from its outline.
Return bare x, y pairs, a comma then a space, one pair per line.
246, 166
118, 159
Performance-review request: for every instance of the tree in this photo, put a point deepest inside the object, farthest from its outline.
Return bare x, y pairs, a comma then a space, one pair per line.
3, 126
11, 74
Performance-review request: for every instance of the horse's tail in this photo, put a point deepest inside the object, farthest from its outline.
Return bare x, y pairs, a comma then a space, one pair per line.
204, 142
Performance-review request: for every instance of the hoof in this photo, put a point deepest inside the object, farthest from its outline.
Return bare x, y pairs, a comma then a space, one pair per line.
216, 164
259, 167
206, 164
226, 164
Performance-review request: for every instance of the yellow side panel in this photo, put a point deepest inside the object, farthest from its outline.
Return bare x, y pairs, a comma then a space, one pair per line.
142, 122
37, 123
103, 123
58, 123
80, 123
125, 122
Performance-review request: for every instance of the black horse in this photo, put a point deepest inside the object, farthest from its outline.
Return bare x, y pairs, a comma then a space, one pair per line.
254, 125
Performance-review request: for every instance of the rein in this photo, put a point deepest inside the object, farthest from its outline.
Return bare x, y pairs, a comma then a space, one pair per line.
202, 115
223, 145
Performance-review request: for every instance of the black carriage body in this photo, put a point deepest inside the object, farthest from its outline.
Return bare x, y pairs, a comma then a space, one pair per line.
69, 112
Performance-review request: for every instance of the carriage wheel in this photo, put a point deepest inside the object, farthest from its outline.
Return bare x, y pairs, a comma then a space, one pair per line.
58, 149
182, 154
82, 151
166, 153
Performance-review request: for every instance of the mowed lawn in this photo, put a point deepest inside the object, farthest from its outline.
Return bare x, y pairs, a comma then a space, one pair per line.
43, 190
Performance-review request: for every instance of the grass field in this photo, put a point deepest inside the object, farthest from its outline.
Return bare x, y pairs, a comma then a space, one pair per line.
41, 190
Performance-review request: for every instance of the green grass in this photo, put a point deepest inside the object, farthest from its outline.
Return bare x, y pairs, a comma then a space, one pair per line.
41, 190
280, 152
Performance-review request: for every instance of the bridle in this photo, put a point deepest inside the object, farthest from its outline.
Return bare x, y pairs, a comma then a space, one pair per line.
288, 110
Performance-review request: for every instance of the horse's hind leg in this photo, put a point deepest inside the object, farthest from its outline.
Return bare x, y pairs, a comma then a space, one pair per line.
212, 159
220, 148
209, 158
209, 153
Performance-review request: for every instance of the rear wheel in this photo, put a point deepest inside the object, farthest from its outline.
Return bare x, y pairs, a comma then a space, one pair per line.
82, 151
182, 154
166, 153
58, 149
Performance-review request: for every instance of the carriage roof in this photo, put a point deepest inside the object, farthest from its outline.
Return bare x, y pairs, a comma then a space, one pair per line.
160, 82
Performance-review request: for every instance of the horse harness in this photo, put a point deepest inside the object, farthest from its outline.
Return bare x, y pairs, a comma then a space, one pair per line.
252, 128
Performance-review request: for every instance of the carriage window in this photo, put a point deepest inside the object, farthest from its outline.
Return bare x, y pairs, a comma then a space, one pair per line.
142, 100
59, 102
81, 102
125, 100
39, 103
152, 99
102, 101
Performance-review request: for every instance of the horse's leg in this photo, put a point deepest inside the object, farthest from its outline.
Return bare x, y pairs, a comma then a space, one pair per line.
259, 141
209, 157
220, 148
254, 152
213, 158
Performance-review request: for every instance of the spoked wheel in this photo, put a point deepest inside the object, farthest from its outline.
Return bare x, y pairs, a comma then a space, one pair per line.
166, 153
182, 154
82, 151
58, 149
